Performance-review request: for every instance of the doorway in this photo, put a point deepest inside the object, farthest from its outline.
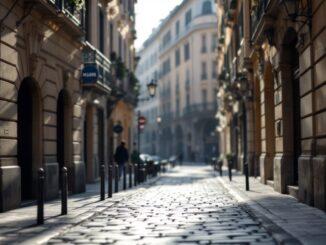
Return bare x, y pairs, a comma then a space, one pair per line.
29, 136
64, 131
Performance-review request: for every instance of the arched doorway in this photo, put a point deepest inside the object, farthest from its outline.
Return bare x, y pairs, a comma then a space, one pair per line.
29, 136
291, 102
89, 143
64, 132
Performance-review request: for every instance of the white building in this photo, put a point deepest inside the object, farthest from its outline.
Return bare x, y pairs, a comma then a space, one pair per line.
186, 40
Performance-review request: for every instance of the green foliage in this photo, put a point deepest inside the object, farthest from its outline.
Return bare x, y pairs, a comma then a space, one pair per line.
229, 156
133, 79
120, 68
78, 4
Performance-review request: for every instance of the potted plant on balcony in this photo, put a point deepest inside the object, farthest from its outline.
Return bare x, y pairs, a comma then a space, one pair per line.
254, 7
133, 79
120, 68
73, 5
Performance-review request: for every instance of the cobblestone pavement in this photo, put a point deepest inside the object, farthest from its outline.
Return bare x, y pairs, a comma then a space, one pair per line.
186, 206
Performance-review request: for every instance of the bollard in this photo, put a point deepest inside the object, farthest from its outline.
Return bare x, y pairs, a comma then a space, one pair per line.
230, 170
110, 181
136, 174
246, 169
130, 175
102, 175
141, 175
40, 196
116, 179
124, 177
64, 191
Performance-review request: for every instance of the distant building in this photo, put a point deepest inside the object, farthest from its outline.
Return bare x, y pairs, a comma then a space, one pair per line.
180, 56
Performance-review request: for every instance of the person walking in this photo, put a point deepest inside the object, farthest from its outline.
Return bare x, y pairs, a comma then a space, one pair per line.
121, 156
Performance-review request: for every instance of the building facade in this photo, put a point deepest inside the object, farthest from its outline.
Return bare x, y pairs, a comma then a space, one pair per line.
147, 71
271, 58
52, 114
185, 45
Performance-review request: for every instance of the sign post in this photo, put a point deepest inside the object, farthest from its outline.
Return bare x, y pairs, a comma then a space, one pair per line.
141, 121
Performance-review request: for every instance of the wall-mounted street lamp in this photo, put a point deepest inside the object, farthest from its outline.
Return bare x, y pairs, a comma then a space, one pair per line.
159, 120
151, 89
298, 10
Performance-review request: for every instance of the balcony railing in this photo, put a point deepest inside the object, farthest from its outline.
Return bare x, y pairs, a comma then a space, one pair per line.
93, 56
73, 13
63, 13
257, 13
200, 108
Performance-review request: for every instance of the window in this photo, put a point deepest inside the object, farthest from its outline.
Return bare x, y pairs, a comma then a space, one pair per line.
166, 39
177, 57
214, 67
203, 71
177, 91
177, 107
88, 21
188, 18
101, 32
207, 7
214, 42
166, 67
186, 51
155, 76
177, 28
187, 100
203, 44
204, 98
187, 77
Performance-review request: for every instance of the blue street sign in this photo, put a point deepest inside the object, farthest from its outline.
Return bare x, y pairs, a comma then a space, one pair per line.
89, 74
118, 129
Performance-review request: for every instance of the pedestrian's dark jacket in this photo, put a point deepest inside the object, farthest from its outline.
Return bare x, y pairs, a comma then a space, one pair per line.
121, 155
135, 156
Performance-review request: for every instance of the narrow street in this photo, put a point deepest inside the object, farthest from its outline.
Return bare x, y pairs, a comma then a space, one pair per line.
186, 206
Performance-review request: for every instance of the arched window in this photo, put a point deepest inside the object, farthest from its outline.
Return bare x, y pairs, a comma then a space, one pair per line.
207, 7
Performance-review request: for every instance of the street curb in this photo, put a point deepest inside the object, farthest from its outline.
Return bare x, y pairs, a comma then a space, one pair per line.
57, 229
255, 210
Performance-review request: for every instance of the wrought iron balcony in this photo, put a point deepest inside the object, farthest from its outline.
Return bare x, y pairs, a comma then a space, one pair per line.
63, 13
260, 19
103, 80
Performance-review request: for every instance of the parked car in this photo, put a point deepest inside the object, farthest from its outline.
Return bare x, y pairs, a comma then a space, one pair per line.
173, 160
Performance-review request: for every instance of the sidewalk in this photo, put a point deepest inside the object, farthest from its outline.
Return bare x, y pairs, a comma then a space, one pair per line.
19, 225
300, 221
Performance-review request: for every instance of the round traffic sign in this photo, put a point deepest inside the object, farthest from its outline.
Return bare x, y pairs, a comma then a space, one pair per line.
141, 120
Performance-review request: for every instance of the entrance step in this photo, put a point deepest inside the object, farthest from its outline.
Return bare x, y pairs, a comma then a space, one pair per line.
270, 183
293, 190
